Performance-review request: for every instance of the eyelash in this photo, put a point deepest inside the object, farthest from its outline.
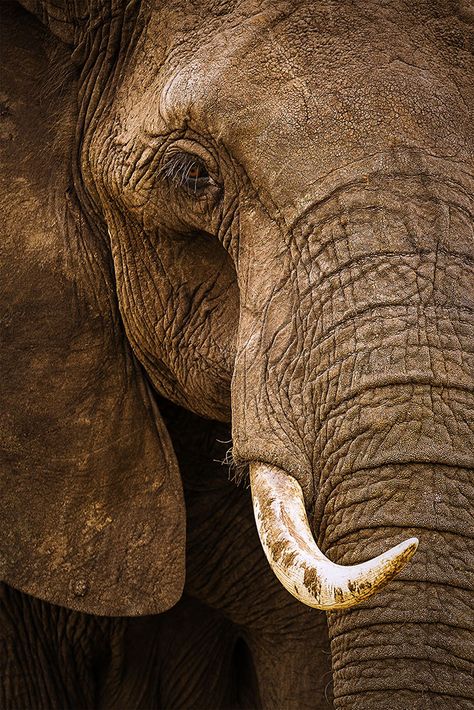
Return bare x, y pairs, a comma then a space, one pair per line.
177, 172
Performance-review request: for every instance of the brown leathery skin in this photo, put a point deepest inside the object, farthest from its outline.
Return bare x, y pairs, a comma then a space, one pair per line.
88, 497
319, 292
55, 657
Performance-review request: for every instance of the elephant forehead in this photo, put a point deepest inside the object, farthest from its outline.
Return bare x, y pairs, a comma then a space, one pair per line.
296, 91
250, 78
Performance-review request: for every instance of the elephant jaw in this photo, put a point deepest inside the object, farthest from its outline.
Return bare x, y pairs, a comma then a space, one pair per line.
295, 558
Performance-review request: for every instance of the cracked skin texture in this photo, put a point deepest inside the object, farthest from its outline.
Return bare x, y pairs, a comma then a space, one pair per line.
317, 292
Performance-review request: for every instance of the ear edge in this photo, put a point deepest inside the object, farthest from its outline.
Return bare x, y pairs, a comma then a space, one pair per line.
81, 440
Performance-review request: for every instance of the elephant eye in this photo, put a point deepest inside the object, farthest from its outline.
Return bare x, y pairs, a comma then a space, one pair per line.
187, 172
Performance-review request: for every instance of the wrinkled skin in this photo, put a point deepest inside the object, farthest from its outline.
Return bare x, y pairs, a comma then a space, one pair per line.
317, 291
215, 649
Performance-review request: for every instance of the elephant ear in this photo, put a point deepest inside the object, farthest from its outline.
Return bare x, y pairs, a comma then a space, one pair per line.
63, 18
93, 514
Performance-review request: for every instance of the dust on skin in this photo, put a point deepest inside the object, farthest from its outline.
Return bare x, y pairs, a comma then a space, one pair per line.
56, 550
97, 518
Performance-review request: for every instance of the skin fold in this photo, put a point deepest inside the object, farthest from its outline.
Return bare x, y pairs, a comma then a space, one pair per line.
252, 223
213, 649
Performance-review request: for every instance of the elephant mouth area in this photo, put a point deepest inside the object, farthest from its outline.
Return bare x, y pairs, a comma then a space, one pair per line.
280, 515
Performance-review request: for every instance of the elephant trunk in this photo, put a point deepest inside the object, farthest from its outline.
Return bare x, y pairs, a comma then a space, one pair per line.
408, 647
358, 384
411, 645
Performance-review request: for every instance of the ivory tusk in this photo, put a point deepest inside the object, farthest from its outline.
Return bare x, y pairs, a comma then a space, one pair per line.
295, 558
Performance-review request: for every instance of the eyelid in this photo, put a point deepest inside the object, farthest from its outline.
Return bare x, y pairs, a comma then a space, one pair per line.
175, 170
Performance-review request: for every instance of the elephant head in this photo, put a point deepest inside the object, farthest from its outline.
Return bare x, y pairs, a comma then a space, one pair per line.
265, 211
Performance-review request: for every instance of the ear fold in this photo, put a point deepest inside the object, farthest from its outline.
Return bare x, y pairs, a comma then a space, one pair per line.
93, 515
63, 18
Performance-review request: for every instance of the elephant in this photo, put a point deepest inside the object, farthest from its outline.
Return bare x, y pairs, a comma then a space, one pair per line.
237, 354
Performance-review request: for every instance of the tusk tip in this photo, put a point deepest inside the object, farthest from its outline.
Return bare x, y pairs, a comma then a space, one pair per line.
393, 561
398, 556
406, 549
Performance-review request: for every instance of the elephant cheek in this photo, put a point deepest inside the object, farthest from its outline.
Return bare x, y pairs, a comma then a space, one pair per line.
179, 303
